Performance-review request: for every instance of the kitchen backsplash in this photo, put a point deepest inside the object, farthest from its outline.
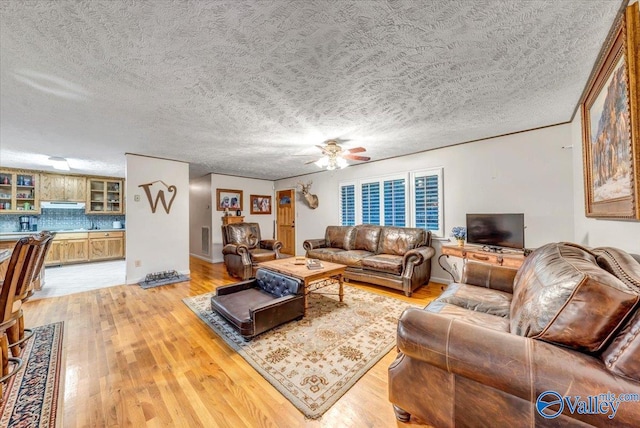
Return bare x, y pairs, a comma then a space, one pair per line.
55, 219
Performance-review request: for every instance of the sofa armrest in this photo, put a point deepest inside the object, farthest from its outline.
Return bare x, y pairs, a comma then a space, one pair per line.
489, 276
239, 249
518, 365
276, 312
417, 256
311, 244
234, 288
271, 244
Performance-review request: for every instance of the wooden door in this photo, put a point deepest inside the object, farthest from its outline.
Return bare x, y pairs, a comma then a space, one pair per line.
75, 188
76, 250
285, 220
54, 255
52, 187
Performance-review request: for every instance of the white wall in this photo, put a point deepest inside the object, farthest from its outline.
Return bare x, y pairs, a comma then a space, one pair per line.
249, 186
156, 241
592, 232
527, 172
200, 208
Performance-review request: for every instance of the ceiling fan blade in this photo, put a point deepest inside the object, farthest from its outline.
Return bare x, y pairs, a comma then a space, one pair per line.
313, 161
356, 150
323, 148
354, 157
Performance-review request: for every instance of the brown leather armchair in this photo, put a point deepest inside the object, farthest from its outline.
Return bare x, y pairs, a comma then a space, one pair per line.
243, 247
257, 305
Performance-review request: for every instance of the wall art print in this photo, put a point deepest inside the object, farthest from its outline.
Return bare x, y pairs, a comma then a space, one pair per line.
260, 204
228, 199
610, 128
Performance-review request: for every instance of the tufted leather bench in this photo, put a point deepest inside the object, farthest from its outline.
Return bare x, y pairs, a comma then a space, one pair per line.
257, 305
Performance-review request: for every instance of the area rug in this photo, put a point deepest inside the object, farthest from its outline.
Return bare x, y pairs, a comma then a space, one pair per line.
31, 396
314, 361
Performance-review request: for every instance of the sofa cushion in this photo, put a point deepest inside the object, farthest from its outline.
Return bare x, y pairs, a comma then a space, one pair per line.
399, 240
388, 263
562, 296
236, 307
323, 253
492, 302
243, 234
367, 237
351, 258
467, 315
340, 237
277, 284
258, 255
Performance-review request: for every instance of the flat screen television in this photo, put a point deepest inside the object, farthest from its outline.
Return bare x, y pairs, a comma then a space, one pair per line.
496, 230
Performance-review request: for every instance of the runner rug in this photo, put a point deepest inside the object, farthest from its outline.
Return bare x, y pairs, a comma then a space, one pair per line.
31, 396
314, 361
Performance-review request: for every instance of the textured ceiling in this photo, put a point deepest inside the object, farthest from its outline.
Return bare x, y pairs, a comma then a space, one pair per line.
249, 87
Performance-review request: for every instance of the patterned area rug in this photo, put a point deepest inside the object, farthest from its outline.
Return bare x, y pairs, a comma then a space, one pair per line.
314, 361
31, 396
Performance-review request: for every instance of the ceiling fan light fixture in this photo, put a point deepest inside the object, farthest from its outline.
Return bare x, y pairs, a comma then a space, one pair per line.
59, 163
322, 162
342, 163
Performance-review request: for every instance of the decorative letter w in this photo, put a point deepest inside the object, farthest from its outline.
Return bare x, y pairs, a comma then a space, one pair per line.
159, 195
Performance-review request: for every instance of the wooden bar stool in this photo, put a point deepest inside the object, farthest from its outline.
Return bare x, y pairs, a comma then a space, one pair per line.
33, 250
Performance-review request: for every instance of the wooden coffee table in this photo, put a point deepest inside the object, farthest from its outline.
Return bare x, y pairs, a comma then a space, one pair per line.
314, 279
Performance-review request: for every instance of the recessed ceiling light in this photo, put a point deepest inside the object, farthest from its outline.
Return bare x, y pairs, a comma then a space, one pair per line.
59, 163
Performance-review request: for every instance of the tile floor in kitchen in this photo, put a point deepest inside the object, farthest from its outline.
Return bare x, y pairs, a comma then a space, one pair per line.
69, 279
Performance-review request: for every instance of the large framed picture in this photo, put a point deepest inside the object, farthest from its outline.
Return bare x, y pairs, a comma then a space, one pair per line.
228, 199
260, 204
610, 127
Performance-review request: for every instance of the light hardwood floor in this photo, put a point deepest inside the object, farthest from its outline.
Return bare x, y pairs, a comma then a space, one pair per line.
139, 357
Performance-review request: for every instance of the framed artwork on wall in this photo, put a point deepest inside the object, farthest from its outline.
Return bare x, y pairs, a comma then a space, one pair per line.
610, 127
228, 199
260, 204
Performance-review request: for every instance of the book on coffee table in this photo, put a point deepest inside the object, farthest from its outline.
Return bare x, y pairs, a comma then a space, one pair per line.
314, 264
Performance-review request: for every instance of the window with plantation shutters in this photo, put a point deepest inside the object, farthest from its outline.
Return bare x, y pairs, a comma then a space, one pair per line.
411, 199
370, 202
347, 204
426, 189
395, 202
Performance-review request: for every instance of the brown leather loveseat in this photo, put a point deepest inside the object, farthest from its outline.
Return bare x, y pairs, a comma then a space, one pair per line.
395, 257
555, 343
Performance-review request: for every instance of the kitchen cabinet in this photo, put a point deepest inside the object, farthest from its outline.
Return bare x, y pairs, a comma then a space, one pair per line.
18, 192
57, 187
68, 248
106, 245
104, 196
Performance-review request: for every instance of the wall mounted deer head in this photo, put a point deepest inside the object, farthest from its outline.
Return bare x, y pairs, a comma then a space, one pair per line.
312, 200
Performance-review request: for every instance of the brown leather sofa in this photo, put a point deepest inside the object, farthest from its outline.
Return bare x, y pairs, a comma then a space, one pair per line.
257, 305
243, 248
530, 347
395, 257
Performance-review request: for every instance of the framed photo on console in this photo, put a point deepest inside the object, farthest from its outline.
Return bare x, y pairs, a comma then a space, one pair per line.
228, 199
260, 204
611, 126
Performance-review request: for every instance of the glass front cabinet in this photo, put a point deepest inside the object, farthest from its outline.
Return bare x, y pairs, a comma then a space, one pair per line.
19, 192
104, 196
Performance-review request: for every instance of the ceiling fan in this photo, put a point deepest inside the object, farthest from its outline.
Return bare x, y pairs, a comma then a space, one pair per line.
336, 157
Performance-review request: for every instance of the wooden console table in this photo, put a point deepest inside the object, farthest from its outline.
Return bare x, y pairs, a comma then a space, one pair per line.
476, 254
232, 219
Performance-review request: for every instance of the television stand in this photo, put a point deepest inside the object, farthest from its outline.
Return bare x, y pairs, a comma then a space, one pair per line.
480, 255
